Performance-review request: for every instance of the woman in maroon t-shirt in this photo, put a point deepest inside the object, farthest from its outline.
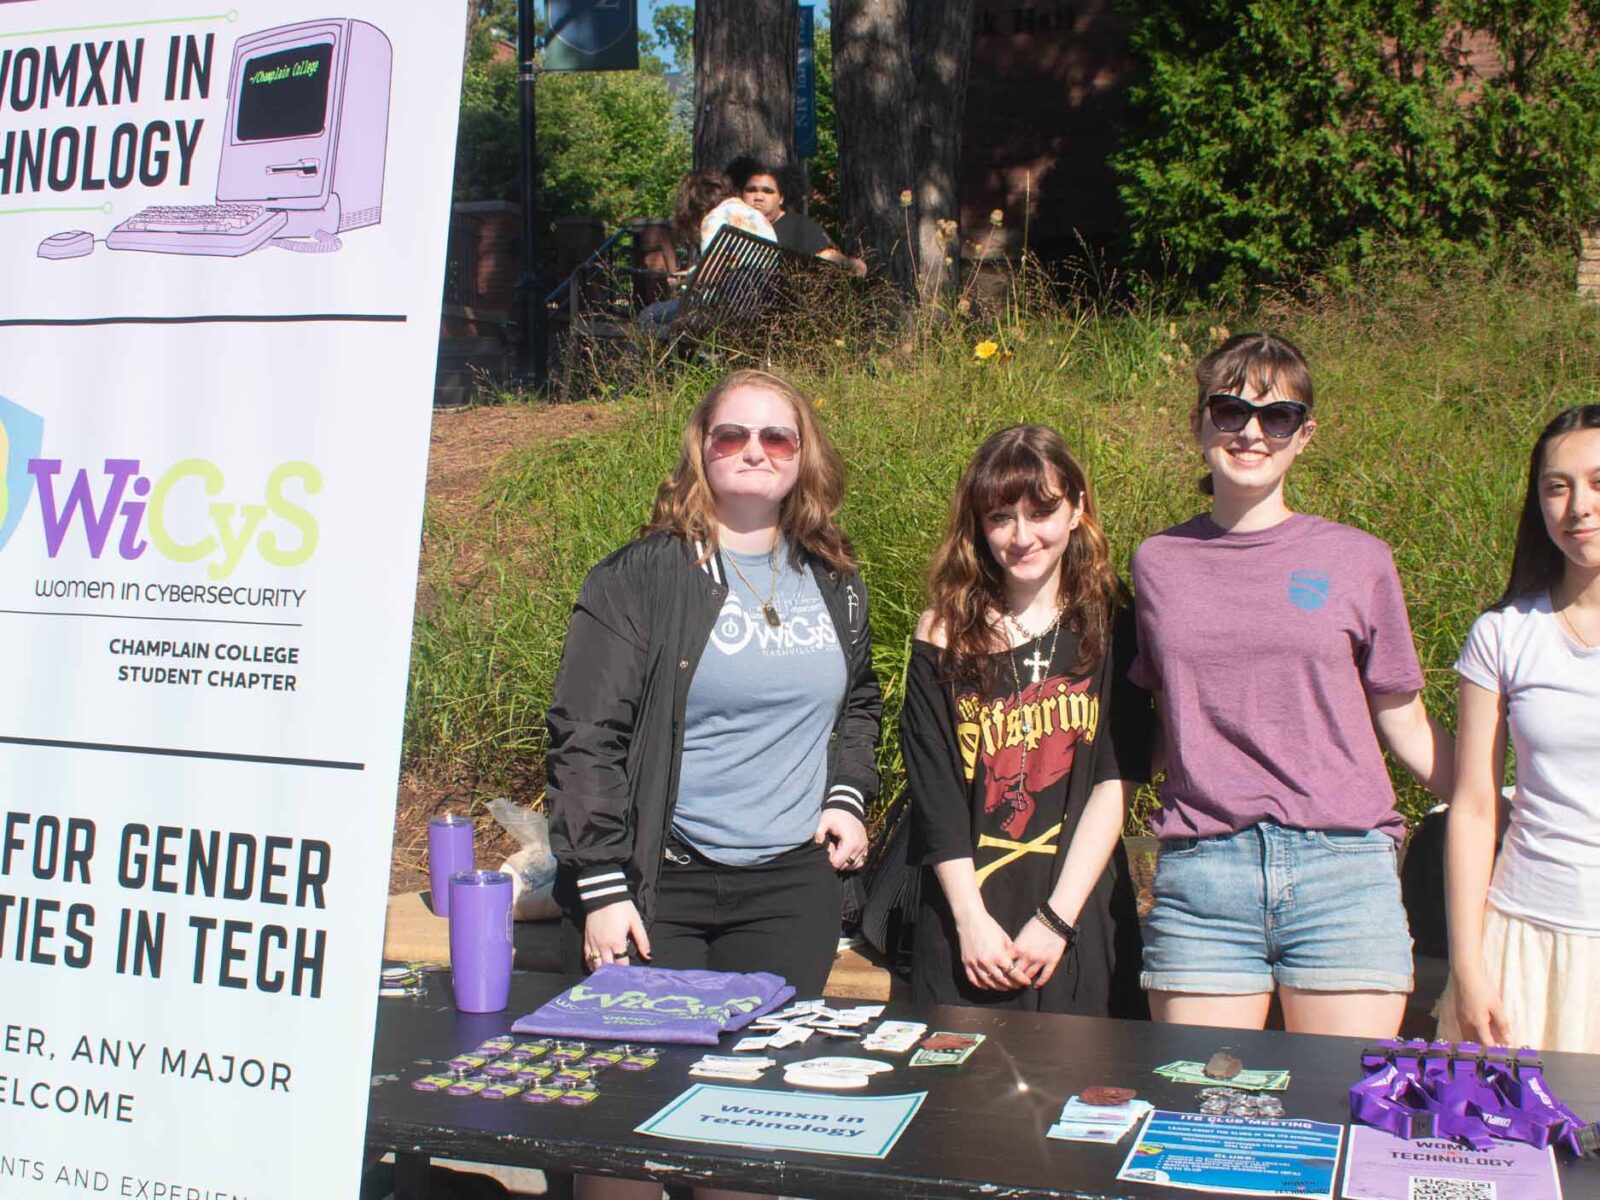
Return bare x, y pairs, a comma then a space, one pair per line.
1278, 648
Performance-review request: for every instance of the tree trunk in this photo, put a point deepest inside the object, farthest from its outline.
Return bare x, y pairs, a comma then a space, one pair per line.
873, 90
744, 79
941, 50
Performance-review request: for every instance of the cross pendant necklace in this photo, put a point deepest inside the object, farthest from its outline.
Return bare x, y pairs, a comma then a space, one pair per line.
1040, 662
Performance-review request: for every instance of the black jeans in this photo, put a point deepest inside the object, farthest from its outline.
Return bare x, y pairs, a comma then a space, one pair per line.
780, 916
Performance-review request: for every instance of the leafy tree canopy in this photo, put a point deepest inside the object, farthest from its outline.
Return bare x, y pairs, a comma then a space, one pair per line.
608, 142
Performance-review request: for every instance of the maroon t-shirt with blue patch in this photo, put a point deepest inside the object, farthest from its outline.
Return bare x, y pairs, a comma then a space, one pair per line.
1263, 647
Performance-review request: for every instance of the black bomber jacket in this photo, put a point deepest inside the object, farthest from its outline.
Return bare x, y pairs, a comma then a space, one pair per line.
642, 619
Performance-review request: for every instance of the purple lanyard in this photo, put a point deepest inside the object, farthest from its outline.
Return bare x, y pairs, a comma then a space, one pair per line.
1530, 1098
1415, 1089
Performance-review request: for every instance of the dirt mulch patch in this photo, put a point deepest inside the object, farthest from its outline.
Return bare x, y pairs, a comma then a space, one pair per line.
469, 443
468, 446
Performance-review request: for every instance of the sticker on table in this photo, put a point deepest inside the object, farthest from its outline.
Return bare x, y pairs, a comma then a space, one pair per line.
852, 1126
1381, 1166
1235, 1157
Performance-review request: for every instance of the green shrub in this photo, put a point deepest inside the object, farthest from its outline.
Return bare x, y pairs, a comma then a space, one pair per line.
1272, 137
608, 144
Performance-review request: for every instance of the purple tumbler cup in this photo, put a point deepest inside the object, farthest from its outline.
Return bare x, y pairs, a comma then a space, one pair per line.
480, 940
449, 853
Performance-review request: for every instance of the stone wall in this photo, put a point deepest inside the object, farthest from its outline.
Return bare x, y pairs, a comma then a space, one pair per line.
1589, 265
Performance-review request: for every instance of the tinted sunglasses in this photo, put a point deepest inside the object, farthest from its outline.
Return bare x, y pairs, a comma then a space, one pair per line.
1280, 419
779, 441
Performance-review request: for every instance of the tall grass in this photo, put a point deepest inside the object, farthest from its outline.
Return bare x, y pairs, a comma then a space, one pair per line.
1431, 390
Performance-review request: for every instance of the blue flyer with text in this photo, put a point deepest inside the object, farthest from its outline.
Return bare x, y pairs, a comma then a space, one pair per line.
854, 1126
1234, 1156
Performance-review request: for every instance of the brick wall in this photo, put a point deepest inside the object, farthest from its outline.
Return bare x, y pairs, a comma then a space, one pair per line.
482, 265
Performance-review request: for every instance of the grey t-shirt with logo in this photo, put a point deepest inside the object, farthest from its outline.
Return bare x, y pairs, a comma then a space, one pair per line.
760, 708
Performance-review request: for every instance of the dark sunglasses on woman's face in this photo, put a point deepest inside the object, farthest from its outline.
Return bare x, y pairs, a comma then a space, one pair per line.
1278, 420
779, 441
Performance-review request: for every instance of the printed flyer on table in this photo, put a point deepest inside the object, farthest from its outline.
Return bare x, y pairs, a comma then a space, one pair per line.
222, 231
1381, 1166
853, 1126
1236, 1157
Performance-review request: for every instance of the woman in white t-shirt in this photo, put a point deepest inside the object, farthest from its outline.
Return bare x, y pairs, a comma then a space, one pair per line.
1525, 940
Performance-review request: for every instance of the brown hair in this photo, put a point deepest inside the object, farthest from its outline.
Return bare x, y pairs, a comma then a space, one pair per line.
685, 505
698, 194
967, 586
1263, 359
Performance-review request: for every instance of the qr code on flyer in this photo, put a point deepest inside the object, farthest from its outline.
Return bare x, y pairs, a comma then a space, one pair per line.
1425, 1188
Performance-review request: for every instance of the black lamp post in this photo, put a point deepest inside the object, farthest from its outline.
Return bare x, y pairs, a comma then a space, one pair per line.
532, 350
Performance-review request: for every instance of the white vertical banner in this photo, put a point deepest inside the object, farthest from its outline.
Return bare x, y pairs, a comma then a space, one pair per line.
222, 239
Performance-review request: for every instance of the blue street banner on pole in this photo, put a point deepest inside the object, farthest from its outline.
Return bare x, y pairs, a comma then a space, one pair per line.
592, 35
805, 86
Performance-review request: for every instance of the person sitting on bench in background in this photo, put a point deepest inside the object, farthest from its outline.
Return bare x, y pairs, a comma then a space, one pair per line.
764, 188
706, 202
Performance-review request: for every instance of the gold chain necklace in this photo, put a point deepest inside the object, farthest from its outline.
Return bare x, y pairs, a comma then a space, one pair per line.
1573, 629
769, 607
1039, 666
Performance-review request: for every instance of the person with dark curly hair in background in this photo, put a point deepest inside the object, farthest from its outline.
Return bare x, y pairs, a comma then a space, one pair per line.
766, 189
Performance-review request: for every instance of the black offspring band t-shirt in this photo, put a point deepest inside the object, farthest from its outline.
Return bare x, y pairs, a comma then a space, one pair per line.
1001, 775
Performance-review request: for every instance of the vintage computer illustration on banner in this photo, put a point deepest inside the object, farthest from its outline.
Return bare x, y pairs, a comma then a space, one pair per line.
302, 153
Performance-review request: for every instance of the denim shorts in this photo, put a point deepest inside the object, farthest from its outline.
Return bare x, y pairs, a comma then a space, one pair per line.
1238, 913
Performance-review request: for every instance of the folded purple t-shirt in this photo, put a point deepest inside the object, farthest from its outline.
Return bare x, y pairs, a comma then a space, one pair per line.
1263, 647
628, 1003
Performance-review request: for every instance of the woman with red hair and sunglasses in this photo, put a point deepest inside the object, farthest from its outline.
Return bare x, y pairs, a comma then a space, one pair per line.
1279, 650
714, 724
1022, 737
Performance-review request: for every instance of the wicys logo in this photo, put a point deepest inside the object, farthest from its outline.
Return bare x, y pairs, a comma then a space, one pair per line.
185, 513
21, 438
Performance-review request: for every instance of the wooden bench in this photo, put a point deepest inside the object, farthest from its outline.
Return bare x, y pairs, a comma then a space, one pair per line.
739, 282
746, 301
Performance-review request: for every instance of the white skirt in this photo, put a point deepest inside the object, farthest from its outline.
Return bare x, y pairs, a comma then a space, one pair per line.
1547, 979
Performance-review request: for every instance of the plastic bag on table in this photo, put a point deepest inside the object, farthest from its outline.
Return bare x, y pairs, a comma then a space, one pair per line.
533, 867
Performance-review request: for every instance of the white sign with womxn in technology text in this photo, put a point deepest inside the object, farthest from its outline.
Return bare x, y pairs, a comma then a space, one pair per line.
854, 1126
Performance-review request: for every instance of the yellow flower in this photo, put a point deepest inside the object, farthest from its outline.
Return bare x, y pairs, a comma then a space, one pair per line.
985, 349
820, 402
997, 218
946, 229
905, 198
838, 342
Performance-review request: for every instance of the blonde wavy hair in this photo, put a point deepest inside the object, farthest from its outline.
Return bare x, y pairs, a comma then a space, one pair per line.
967, 586
685, 504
